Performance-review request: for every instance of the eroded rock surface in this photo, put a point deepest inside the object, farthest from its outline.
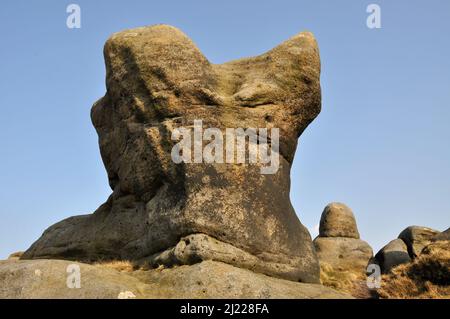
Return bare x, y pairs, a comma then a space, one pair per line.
157, 80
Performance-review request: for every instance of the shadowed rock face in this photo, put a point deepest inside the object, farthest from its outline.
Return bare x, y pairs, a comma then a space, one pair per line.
157, 80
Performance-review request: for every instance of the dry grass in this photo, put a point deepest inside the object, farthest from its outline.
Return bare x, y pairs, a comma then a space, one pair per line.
119, 265
344, 281
428, 276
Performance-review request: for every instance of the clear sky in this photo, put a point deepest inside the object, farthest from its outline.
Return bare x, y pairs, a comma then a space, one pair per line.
380, 145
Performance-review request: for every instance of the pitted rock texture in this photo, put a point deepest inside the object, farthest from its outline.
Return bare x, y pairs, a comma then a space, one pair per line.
157, 80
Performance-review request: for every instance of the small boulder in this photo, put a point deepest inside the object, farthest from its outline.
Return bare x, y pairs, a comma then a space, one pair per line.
416, 238
338, 221
393, 254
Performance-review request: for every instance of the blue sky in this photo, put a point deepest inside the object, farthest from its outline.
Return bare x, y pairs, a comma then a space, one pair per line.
380, 145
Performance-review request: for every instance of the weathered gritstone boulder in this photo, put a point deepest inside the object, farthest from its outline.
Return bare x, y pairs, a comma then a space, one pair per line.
416, 238
157, 80
393, 254
208, 279
337, 220
338, 245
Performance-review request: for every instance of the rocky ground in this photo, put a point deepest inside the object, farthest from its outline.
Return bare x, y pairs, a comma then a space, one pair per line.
208, 279
417, 266
428, 276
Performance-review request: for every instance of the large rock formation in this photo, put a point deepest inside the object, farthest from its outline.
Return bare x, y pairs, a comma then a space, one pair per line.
338, 245
157, 80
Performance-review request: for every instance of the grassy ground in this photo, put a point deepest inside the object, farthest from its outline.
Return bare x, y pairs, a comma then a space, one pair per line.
428, 276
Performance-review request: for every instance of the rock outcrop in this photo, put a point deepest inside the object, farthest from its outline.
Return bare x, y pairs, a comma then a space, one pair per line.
416, 238
338, 245
158, 81
416, 265
208, 279
408, 246
427, 276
